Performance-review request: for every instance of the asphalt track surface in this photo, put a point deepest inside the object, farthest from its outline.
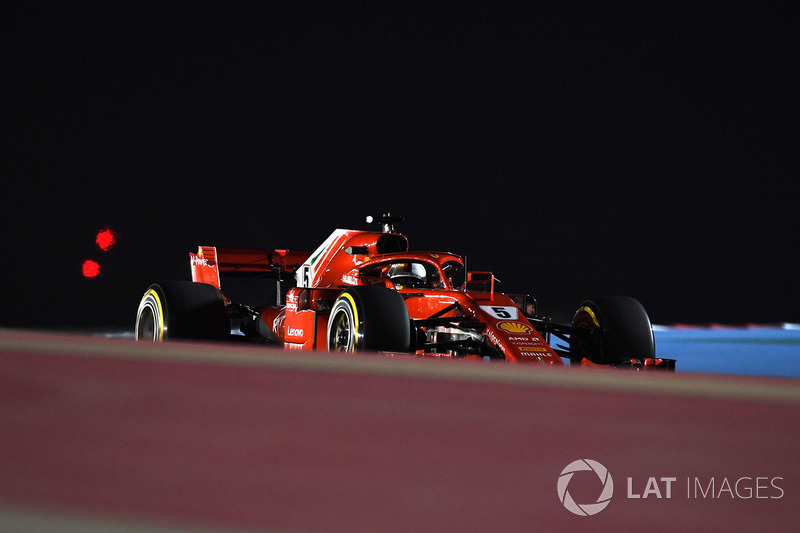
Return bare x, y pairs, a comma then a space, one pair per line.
744, 351
112, 435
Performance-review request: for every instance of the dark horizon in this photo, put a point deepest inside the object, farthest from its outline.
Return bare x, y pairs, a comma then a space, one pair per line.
648, 151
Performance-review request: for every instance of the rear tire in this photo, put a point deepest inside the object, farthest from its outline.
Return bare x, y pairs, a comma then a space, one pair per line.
181, 310
369, 318
620, 331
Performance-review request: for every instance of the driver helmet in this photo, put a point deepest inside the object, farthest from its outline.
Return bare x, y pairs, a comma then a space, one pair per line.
407, 270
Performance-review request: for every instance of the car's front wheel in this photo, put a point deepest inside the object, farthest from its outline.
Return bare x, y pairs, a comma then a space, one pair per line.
614, 330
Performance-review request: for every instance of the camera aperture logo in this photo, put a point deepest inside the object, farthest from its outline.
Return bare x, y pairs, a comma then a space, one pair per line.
586, 509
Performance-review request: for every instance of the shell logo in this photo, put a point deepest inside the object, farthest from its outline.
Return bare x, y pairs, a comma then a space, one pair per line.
514, 327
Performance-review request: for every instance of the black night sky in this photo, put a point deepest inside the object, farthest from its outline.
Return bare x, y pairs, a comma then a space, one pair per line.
575, 150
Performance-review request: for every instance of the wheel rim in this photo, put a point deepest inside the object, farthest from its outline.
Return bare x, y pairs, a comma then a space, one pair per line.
342, 332
146, 329
590, 347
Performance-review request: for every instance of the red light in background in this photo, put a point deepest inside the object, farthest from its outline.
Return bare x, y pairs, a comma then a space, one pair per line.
106, 239
90, 269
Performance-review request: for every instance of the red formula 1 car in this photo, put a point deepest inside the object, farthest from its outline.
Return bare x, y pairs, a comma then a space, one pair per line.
365, 291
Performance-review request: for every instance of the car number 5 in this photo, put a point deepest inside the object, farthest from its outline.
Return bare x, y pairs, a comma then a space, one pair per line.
503, 312
500, 312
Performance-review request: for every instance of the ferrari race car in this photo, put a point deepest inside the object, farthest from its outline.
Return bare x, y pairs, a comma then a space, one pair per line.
364, 291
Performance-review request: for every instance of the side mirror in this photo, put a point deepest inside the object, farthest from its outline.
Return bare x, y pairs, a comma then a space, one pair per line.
481, 277
525, 303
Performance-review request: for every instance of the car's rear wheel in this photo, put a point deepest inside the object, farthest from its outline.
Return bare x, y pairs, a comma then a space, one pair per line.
616, 331
369, 318
181, 310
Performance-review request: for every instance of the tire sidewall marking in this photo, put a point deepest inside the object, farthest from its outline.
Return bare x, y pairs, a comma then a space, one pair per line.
152, 301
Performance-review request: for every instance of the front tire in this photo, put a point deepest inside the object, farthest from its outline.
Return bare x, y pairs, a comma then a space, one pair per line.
618, 332
369, 318
181, 310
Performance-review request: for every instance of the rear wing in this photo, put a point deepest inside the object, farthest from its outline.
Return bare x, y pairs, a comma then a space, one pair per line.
209, 262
